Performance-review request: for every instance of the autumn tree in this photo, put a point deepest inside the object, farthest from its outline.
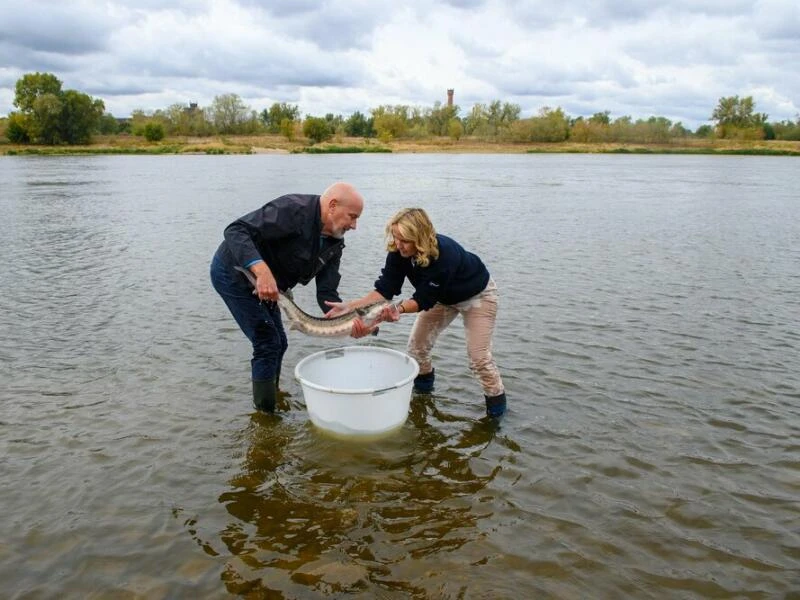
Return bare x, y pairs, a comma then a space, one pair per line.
736, 118
391, 122
439, 117
492, 120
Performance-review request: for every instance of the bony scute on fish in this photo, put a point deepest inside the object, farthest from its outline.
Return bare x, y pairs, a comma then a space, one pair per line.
327, 327
300, 320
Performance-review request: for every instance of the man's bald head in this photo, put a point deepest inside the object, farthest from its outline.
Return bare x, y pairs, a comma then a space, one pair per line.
340, 207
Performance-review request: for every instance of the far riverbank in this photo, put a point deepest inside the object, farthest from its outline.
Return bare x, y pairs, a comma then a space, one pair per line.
266, 144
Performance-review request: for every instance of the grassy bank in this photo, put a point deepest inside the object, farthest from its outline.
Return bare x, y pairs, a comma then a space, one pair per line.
266, 144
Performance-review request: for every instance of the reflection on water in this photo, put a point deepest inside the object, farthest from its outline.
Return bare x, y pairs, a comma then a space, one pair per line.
647, 336
345, 516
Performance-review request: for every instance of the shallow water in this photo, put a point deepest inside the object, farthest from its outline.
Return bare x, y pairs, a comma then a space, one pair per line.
648, 339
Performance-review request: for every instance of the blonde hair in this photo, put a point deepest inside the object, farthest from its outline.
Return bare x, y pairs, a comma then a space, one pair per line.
414, 225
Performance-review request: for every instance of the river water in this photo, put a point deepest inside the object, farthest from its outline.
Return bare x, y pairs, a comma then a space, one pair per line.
648, 339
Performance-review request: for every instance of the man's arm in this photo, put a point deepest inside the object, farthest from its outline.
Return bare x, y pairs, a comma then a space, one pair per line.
327, 281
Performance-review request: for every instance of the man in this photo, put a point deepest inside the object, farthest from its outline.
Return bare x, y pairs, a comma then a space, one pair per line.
292, 239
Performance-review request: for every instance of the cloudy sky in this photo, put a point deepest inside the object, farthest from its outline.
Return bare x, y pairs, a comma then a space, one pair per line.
668, 58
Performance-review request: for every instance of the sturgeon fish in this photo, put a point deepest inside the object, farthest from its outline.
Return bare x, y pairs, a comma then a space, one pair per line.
340, 326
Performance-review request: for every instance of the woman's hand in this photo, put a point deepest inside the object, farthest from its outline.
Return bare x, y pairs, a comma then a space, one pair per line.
390, 313
360, 329
337, 309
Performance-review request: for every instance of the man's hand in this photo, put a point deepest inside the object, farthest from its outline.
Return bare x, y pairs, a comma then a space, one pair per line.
266, 286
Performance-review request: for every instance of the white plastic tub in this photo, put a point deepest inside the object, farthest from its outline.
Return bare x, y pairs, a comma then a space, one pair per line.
357, 390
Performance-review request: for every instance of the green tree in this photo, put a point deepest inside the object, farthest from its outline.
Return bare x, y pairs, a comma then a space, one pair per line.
455, 129
108, 124
316, 129
391, 122
502, 115
229, 114
736, 118
274, 117
17, 128
704, 131
80, 116
550, 125
654, 130
45, 119
787, 130
357, 125
53, 116
592, 130
138, 120
180, 119
601, 118
679, 131
476, 120
438, 119
153, 131
335, 122
33, 85
492, 121
287, 128
621, 130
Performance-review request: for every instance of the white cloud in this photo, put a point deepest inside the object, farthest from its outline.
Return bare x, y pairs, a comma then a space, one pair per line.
671, 58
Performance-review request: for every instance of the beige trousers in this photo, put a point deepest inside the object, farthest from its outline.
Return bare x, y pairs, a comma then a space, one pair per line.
479, 314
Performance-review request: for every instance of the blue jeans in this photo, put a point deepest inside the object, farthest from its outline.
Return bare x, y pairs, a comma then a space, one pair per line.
259, 321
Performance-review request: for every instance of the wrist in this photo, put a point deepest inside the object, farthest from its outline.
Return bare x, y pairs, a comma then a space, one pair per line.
400, 308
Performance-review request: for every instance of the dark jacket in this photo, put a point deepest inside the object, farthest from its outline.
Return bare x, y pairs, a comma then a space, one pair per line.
286, 233
455, 276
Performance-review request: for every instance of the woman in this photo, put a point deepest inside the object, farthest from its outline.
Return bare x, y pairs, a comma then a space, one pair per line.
447, 281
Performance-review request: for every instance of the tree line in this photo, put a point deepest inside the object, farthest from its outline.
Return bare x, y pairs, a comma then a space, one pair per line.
47, 114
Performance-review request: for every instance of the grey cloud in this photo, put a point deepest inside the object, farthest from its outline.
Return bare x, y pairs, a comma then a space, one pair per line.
125, 87
263, 71
283, 8
779, 21
336, 28
604, 13
54, 27
683, 52
333, 25
465, 4
25, 60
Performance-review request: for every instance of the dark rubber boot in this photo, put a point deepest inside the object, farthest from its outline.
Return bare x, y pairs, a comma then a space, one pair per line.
264, 395
496, 405
423, 384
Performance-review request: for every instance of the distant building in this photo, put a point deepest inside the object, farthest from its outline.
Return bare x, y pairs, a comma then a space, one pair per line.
450, 97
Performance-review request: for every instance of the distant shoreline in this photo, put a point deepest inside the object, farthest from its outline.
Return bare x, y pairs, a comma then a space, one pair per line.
274, 144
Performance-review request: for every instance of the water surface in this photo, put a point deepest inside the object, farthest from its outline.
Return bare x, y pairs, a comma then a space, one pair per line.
648, 339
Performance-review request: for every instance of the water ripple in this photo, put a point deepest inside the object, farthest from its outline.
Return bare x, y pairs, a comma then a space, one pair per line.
646, 338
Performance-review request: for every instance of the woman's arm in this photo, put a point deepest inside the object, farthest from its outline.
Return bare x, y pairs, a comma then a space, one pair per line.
340, 308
